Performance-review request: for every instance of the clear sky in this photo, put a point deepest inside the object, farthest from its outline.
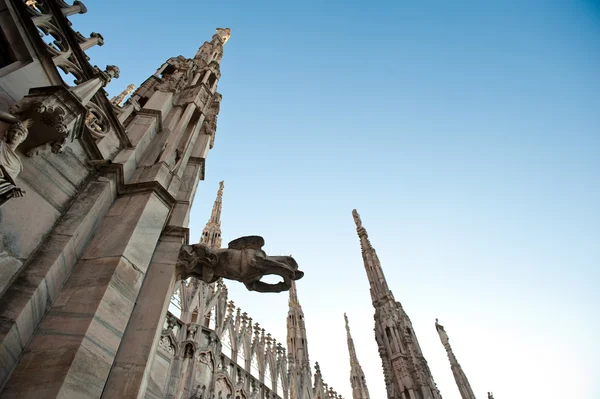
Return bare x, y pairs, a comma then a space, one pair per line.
467, 135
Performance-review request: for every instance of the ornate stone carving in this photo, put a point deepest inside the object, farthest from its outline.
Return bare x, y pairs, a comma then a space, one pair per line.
10, 163
96, 121
243, 261
57, 116
199, 392
191, 331
206, 358
165, 344
223, 389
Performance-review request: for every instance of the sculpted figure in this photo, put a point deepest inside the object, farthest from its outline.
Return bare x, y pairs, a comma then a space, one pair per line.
10, 163
243, 261
441, 332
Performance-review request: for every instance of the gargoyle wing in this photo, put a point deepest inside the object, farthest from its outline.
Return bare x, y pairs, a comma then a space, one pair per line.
248, 242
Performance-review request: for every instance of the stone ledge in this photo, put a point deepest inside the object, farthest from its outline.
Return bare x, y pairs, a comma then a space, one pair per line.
124, 189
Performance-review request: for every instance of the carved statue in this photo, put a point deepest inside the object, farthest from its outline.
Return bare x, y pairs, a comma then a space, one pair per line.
243, 261
441, 332
10, 163
118, 100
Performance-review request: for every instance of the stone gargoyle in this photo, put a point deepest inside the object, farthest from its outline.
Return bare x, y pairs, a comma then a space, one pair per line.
243, 260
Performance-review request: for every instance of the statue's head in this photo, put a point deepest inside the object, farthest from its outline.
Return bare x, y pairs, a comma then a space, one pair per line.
223, 34
17, 133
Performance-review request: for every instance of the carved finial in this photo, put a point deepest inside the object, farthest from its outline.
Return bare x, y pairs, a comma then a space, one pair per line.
111, 72
490, 395
346, 320
223, 34
441, 332
357, 220
269, 339
221, 186
118, 100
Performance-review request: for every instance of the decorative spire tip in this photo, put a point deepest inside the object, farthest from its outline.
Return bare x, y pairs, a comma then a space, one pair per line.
357, 220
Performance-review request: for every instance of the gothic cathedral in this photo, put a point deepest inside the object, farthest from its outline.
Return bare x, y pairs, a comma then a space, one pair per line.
95, 199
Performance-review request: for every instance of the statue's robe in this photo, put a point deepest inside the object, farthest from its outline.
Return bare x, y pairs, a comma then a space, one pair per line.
11, 165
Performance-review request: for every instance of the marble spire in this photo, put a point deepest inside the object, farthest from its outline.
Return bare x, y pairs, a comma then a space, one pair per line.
211, 235
459, 375
357, 376
405, 369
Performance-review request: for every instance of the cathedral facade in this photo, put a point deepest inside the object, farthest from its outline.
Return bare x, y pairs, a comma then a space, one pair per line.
95, 199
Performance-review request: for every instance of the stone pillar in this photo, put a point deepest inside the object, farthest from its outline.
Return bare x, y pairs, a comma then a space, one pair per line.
95, 39
73, 350
175, 372
197, 77
76, 8
130, 372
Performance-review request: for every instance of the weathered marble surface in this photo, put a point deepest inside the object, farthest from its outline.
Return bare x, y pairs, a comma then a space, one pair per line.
72, 351
24, 303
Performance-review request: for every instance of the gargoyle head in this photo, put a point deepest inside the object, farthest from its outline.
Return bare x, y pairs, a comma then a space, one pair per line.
262, 265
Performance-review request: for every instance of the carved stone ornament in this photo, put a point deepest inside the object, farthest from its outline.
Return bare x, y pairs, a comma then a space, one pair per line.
243, 261
10, 162
165, 344
197, 94
57, 114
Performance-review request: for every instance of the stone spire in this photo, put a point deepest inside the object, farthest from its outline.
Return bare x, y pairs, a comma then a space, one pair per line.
297, 340
405, 370
379, 287
357, 377
213, 51
211, 235
297, 345
459, 376
490, 395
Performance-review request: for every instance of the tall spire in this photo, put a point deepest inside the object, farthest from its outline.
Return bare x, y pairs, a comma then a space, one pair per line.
211, 235
297, 343
459, 376
357, 377
294, 297
379, 287
405, 369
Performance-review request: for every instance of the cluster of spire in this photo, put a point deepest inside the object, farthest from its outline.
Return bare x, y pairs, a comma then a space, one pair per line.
405, 369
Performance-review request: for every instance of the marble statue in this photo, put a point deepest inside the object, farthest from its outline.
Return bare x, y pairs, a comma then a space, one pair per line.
10, 163
243, 261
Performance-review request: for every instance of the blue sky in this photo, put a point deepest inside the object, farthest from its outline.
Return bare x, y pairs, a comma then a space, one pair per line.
466, 133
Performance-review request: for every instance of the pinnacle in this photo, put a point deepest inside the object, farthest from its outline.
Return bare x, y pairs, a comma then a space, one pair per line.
357, 220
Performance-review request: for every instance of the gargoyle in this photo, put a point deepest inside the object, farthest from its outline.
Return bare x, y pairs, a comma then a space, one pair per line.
243, 260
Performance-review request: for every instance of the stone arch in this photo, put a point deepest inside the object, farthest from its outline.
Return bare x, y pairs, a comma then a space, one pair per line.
223, 387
